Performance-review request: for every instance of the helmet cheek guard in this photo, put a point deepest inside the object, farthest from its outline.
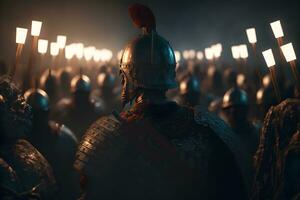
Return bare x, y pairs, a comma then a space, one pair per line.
129, 89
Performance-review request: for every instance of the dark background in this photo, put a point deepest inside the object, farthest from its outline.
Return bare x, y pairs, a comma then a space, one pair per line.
186, 24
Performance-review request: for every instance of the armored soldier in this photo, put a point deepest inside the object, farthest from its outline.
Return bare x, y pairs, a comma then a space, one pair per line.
64, 77
235, 108
156, 149
230, 77
190, 93
277, 158
265, 98
105, 93
55, 141
78, 112
49, 84
24, 172
215, 83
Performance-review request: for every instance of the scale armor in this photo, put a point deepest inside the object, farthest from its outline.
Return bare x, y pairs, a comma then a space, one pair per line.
147, 156
30, 174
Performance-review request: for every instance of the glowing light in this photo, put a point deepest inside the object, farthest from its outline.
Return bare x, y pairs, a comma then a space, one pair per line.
288, 52
209, 54
259, 94
235, 50
79, 50
240, 79
183, 86
177, 56
211, 71
185, 54
251, 34
69, 51
54, 49
269, 57
217, 50
21, 34
61, 41
42, 46
97, 55
119, 55
243, 51
192, 54
36, 28
200, 55
266, 80
277, 29
88, 53
106, 55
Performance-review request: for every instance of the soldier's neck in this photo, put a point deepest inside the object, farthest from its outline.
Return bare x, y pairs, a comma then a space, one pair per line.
151, 97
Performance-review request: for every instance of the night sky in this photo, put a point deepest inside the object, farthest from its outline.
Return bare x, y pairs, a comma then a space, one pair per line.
186, 24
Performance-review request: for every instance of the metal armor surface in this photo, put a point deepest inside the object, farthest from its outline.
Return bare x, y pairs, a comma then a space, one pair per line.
37, 99
190, 85
81, 83
31, 169
149, 62
9, 182
235, 97
157, 152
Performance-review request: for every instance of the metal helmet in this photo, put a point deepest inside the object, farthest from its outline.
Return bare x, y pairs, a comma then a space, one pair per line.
49, 83
190, 84
81, 83
235, 97
37, 99
65, 76
265, 97
230, 76
106, 80
266, 81
149, 62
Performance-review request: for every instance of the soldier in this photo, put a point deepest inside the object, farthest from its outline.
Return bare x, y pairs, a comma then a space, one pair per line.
277, 158
78, 112
55, 141
235, 107
190, 93
157, 149
65, 76
24, 172
105, 93
265, 98
230, 77
215, 83
49, 84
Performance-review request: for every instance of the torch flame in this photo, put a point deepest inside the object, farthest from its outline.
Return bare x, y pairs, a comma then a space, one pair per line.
21, 34
288, 52
269, 58
42, 46
36, 28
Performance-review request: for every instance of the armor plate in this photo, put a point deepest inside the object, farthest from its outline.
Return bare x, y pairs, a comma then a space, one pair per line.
33, 171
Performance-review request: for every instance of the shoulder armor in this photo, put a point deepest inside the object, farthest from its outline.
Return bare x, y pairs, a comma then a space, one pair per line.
106, 128
62, 131
9, 181
31, 167
205, 118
